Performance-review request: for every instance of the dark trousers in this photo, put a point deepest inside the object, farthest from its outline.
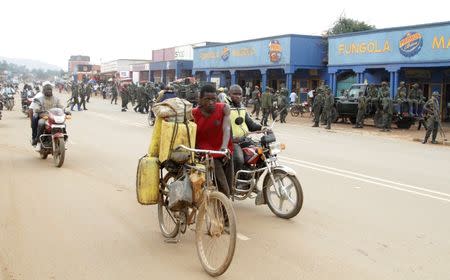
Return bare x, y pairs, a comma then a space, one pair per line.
114, 99
224, 175
317, 113
34, 125
83, 103
432, 127
256, 109
266, 112
75, 102
40, 129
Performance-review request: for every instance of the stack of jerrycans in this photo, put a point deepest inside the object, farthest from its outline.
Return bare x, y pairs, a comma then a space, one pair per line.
167, 135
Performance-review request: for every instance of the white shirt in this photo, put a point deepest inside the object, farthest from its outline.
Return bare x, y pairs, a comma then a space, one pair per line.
293, 97
311, 93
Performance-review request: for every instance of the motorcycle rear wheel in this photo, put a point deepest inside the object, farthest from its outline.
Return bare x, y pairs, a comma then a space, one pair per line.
43, 155
270, 194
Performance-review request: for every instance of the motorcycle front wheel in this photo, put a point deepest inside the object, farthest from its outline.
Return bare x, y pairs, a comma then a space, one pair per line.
60, 152
285, 199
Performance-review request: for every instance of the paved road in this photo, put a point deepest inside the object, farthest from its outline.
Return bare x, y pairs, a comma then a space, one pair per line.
375, 208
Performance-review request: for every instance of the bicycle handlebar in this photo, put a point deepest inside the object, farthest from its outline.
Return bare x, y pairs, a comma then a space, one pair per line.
224, 153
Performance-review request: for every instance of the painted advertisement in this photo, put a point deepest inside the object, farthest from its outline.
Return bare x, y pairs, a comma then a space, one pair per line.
259, 52
184, 53
413, 45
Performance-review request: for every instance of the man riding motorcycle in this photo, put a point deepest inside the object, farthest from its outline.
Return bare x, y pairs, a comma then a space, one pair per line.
241, 127
40, 106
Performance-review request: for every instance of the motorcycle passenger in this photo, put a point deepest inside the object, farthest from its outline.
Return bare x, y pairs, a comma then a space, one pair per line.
214, 133
241, 130
40, 106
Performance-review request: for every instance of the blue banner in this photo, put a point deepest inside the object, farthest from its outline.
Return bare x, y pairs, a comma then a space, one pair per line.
405, 45
264, 52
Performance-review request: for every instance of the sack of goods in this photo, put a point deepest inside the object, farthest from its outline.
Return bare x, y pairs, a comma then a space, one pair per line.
147, 180
173, 128
174, 110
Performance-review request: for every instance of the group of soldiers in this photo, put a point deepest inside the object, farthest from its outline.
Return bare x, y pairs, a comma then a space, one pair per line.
271, 103
81, 94
322, 107
139, 95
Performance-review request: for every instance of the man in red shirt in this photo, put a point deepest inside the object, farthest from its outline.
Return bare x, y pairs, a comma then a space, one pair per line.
214, 133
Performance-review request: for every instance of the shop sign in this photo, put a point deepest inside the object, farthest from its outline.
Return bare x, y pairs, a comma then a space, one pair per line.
275, 51
410, 44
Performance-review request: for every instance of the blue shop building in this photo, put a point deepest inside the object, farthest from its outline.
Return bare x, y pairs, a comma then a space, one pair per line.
295, 61
413, 54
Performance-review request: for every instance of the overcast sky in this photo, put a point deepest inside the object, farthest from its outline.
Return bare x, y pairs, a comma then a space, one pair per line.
52, 30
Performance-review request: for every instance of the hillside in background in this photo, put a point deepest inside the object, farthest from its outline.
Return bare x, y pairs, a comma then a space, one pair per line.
31, 64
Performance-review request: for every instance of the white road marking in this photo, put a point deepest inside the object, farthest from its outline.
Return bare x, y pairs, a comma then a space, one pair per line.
367, 179
242, 237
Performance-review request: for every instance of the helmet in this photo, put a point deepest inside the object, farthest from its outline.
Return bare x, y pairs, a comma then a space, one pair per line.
435, 94
402, 83
384, 83
220, 89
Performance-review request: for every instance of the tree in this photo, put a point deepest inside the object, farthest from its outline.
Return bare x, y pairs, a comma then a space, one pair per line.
347, 25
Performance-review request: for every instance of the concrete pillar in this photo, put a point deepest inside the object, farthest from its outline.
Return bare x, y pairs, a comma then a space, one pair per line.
391, 83
395, 83
263, 79
333, 83
289, 82
233, 77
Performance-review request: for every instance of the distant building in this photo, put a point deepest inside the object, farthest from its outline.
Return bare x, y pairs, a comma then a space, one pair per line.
120, 68
77, 60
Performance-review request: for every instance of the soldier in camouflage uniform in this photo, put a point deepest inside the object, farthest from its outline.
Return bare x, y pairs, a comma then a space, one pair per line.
362, 106
415, 98
328, 104
317, 106
431, 108
75, 95
83, 94
402, 97
125, 96
387, 106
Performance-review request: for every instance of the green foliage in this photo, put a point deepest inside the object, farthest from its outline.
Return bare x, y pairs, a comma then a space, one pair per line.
347, 25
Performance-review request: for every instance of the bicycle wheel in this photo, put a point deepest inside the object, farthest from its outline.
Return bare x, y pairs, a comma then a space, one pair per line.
168, 224
216, 233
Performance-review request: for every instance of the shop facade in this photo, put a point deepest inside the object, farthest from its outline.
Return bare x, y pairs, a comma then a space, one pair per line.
170, 64
413, 54
295, 61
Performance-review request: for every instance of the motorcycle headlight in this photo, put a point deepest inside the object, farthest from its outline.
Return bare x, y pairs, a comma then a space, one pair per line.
275, 148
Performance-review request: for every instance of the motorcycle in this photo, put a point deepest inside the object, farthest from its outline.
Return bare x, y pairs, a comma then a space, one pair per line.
299, 109
264, 178
27, 98
55, 136
9, 101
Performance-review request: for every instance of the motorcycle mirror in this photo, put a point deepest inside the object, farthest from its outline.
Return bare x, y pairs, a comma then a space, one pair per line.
239, 120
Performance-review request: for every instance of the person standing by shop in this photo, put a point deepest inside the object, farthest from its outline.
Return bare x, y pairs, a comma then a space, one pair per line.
361, 110
328, 104
256, 96
266, 105
387, 107
114, 92
317, 106
83, 96
432, 110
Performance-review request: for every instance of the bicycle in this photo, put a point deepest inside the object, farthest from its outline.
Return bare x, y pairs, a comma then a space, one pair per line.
213, 212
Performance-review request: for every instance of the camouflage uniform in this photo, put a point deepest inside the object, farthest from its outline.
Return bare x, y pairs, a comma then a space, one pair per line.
386, 107
432, 110
362, 105
328, 107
